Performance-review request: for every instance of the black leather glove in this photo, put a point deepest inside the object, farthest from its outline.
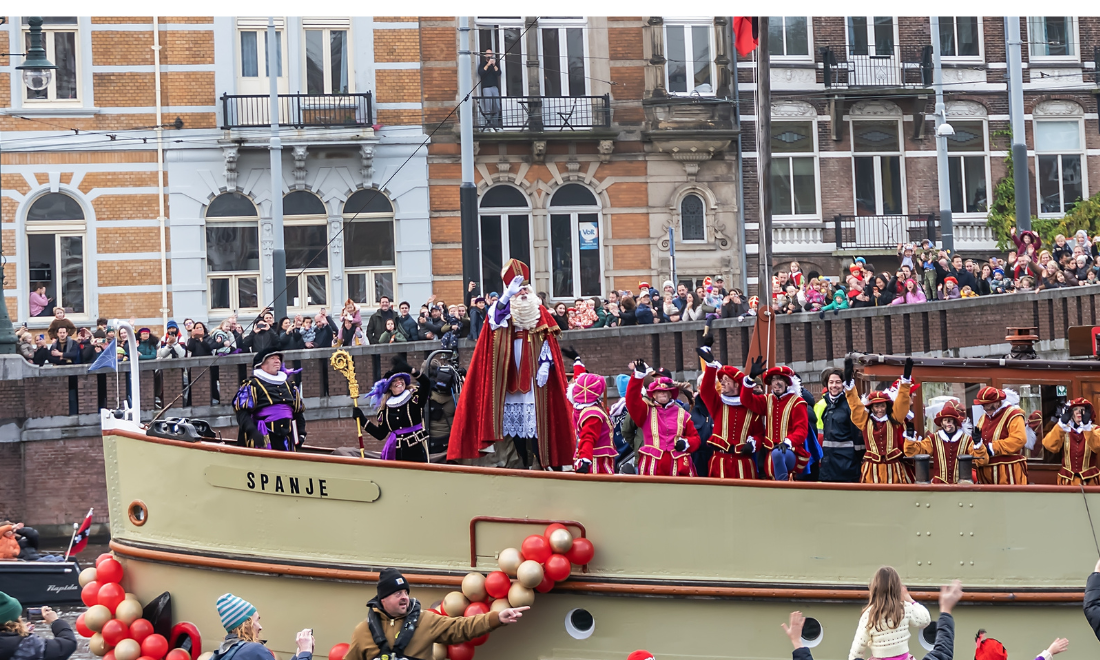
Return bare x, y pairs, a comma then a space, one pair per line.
681, 444
908, 373
1086, 417
745, 449
570, 353
584, 468
708, 340
910, 429
783, 448
640, 365
705, 353
757, 367
849, 369
821, 315
358, 414
1067, 416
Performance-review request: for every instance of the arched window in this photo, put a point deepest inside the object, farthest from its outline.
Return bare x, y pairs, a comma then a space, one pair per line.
505, 226
576, 268
305, 236
369, 263
232, 253
693, 220
55, 253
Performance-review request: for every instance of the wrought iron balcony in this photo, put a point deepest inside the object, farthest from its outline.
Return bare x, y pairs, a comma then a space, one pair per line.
882, 231
539, 114
298, 110
904, 67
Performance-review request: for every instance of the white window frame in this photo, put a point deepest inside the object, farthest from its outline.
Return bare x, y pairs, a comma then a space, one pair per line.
777, 126
234, 276
574, 227
48, 32
980, 57
687, 23
1080, 152
809, 56
561, 25
59, 229
497, 25
370, 271
871, 49
984, 153
326, 26
262, 83
1075, 31
900, 153
505, 243
303, 291
680, 218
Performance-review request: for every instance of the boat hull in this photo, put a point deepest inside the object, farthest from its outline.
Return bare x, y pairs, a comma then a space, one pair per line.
35, 583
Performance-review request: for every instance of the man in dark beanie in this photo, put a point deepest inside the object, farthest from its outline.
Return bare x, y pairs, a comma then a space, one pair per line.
398, 628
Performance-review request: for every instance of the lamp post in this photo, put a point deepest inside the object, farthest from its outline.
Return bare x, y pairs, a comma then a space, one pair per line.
37, 74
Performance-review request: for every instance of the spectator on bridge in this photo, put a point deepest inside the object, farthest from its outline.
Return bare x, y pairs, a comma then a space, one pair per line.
38, 300
644, 313
263, 336
148, 344
477, 318
60, 321
1027, 242
17, 638
222, 340
290, 334
628, 313
349, 334
64, 351
949, 290
407, 322
171, 346
377, 323
25, 343
913, 294
392, 334
1061, 248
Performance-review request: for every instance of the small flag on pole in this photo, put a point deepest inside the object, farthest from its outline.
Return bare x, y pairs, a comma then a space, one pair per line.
108, 358
746, 31
80, 537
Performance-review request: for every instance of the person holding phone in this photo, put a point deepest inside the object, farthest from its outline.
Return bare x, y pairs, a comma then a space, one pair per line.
17, 638
489, 73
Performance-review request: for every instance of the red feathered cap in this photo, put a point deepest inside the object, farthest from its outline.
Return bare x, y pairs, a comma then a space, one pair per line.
878, 396
1035, 420
950, 409
989, 395
783, 370
732, 372
1081, 402
990, 649
662, 384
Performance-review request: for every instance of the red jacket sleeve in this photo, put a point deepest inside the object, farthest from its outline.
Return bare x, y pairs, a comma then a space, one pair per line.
798, 427
637, 408
758, 403
708, 393
587, 436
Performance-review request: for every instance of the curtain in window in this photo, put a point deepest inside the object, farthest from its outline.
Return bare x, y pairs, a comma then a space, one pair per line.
250, 67
339, 57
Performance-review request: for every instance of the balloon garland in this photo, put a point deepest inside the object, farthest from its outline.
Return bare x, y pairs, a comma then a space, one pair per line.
113, 622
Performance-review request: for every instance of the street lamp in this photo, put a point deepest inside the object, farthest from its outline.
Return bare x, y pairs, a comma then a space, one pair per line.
37, 74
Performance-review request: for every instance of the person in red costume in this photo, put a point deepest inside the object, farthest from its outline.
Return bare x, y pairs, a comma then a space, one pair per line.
786, 423
513, 404
595, 448
736, 428
669, 437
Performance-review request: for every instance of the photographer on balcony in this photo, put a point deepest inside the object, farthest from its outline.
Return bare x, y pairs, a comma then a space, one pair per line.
489, 73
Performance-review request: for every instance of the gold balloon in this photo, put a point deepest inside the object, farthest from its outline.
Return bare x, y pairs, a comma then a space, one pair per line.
454, 604
499, 604
473, 587
97, 645
560, 541
530, 573
128, 649
521, 596
206, 656
96, 617
87, 575
509, 560
130, 596
127, 612
439, 652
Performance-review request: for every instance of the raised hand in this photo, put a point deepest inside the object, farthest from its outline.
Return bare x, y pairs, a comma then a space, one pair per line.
757, 367
849, 370
570, 353
908, 373
794, 628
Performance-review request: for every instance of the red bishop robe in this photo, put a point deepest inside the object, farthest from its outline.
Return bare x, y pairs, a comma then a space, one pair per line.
733, 425
478, 421
785, 418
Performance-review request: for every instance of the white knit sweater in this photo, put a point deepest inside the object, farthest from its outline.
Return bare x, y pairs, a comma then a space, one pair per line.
891, 641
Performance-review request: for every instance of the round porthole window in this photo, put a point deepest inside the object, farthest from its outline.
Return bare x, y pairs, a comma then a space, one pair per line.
928, 636
812, 632
579, 623
138, 513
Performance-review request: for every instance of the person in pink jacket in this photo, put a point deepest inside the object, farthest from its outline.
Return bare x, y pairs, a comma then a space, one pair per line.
912, 294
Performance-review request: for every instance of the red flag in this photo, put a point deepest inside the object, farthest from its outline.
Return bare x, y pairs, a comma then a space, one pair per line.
746, 32
80, 539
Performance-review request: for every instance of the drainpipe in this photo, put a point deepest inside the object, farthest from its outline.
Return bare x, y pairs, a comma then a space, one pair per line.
943, 129
160, 180
740, 168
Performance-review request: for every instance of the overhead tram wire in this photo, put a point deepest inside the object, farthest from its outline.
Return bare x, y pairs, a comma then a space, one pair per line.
345, 223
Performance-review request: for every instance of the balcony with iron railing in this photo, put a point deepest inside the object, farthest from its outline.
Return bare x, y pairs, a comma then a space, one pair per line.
298, 110
882, 232
876, 67
542, 114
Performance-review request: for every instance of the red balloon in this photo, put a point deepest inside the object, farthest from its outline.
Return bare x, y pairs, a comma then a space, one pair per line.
83, 629
338, 652
145, 657
497, 585
478, 641
178, 654
546, 585
109, 655
557, 568
551, 527
464, 651
89, 593
140, 629
535, 547
102, 558
114, 631
154, 646
110, 595
109, 570
582, 552
473, 609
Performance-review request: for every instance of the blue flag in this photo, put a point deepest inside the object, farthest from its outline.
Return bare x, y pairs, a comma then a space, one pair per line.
108, 358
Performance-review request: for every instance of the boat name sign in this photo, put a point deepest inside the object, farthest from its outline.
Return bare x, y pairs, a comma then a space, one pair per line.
292, 485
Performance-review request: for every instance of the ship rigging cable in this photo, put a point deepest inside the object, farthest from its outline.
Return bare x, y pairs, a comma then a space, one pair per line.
1087, 511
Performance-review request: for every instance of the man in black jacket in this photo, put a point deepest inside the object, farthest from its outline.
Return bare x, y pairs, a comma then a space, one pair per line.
841, 440
65, 350
944, 648
377, 323
1092, 600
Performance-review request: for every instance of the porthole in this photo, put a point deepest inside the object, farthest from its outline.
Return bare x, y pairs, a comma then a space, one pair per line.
812, 632
579, 623
138, 513
928, 636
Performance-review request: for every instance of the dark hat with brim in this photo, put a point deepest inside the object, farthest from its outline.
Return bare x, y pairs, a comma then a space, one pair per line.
259, 358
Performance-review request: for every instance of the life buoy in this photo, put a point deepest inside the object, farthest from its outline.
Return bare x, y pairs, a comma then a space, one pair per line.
182, 633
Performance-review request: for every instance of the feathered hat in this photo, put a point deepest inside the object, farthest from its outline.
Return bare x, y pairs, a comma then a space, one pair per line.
381, 387
950, 409
783, 371
588, 389
1081, 402
662, 384
877, 396
732, 372
988, 395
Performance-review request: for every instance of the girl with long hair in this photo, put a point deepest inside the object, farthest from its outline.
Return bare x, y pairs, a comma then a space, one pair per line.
883, 632
242, 625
